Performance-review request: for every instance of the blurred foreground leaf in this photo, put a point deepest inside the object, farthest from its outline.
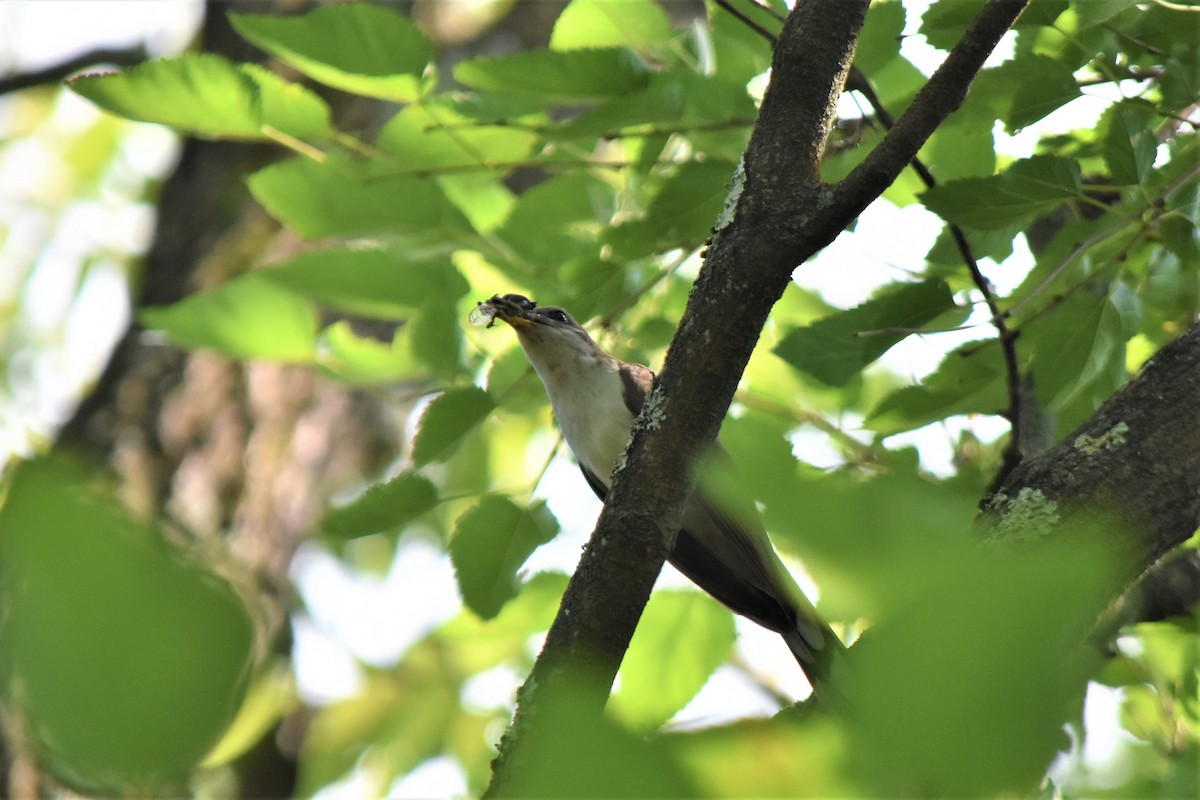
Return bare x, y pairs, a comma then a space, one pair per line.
125, 659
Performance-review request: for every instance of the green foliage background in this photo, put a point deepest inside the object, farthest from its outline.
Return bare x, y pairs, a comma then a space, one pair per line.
629, 130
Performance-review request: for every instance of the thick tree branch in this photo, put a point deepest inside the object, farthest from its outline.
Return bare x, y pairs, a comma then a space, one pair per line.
1135, 461
783, 215
57, 73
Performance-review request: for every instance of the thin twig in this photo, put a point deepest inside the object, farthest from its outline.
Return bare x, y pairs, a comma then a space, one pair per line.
1176, 6
741, 16
857, 81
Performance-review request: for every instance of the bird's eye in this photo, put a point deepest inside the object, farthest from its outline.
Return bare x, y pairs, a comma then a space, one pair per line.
557, 316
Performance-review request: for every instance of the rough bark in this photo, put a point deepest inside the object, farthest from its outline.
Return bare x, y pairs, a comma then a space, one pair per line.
1135, 462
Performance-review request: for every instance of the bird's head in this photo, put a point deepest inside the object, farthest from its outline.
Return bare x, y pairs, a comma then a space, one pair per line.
551, 337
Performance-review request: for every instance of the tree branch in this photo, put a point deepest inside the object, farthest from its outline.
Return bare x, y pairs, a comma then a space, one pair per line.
783, 215
1135, 461
65, 69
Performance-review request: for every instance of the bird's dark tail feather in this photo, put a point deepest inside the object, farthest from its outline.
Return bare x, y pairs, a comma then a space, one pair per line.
821, 654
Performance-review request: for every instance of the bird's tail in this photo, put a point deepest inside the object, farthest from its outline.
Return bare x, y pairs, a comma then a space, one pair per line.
819, 652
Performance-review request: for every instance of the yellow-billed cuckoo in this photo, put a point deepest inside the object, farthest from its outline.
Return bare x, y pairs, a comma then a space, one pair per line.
596, 399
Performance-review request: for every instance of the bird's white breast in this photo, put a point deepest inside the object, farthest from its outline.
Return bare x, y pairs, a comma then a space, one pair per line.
589, 405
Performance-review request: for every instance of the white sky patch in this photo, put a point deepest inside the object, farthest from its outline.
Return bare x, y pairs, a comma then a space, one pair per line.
378, 619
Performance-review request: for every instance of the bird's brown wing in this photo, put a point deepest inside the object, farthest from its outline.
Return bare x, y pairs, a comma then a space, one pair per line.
723, 574
734, 563
636, 383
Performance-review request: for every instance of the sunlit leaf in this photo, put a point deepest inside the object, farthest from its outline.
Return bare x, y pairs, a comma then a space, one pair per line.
447, 420
367, 281
332, 200
362, 359
879, 39
289, 107
681, 639
202, 93
484, 643
611, 23
491, 541
554, 220
683, 212
436, 135
557, 76
765, 758
248, 317
359, 47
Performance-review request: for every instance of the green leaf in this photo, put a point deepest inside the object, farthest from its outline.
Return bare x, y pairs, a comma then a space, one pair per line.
557, 77
361, 48
326, 200
202, 94
935, 723
435, 336
1129, 142
558, 219
514, 384
1181, 236
944, 22
682, 213
447, 420
833, 350
364, 360
368, 281
900, 516
1043, 85
1029, 188
969, 380
1078, 350
1095, 12
131, 657
482, 644
740, 51
1180, 81
944, 258
637, 24
289, 107
388, 506
249, 317
435, 135
681, 639
960, 148
491, 542
670, 100
879, 39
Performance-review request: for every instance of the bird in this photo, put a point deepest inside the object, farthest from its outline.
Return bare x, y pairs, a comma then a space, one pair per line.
596, 398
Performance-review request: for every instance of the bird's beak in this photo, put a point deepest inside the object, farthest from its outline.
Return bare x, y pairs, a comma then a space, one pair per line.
514, 309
